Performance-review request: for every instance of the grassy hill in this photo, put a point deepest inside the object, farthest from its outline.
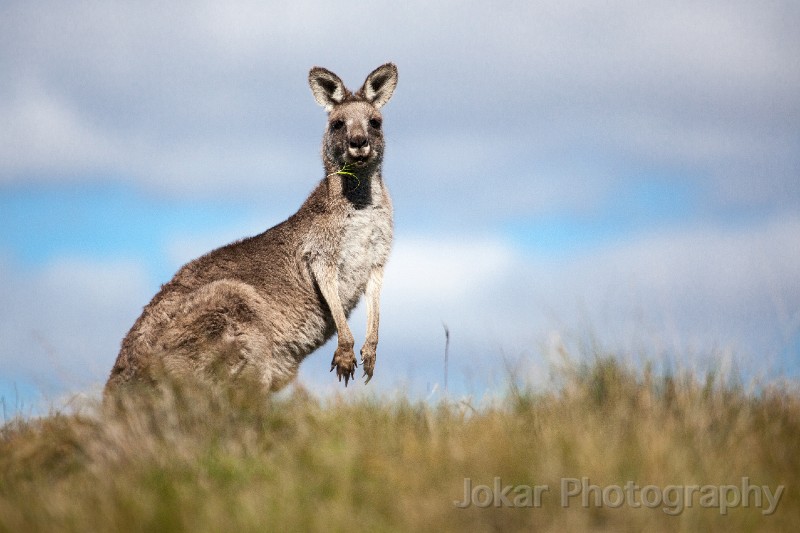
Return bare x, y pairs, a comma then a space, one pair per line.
606, 448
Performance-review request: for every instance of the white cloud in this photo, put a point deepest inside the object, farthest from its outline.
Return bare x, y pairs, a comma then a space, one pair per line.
61, 325
424, 271
682, 292
43, 133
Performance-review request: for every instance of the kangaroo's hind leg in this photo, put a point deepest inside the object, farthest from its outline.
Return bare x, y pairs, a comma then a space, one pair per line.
221, 332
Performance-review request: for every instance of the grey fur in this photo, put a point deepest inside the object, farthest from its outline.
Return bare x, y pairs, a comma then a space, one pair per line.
254, 309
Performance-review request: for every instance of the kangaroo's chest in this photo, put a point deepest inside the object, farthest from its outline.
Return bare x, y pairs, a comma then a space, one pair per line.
366, 242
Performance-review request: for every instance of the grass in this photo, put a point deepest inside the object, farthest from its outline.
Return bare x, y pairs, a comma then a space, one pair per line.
190, 459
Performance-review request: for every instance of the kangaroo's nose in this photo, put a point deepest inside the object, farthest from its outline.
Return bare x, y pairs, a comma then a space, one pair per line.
358, 141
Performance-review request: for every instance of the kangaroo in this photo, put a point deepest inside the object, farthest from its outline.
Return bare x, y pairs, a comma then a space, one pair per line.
254, 309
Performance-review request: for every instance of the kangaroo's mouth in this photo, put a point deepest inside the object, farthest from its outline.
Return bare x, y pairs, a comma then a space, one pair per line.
359, 160
359, 154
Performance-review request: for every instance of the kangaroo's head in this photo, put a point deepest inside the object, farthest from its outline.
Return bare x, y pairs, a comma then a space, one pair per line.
353, 138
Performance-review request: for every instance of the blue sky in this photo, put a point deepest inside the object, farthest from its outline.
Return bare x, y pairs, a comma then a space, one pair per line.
101, 221
560, 171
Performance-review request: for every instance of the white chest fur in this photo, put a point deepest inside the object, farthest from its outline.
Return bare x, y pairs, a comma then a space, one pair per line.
366, 242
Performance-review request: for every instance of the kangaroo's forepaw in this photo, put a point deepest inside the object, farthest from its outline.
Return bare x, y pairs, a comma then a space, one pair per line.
344, 361
368, 362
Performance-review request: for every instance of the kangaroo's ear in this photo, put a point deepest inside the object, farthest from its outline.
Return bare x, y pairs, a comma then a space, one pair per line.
380, 84
327, 87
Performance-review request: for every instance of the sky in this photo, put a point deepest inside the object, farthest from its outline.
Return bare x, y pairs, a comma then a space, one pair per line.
589, 177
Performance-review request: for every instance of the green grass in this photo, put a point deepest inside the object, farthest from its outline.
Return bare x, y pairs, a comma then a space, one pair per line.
190, 459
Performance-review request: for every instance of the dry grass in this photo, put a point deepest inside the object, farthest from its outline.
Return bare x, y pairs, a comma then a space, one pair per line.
196, 460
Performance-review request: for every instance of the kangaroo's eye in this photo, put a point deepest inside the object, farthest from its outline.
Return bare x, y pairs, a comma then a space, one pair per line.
375, 123
337, 124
